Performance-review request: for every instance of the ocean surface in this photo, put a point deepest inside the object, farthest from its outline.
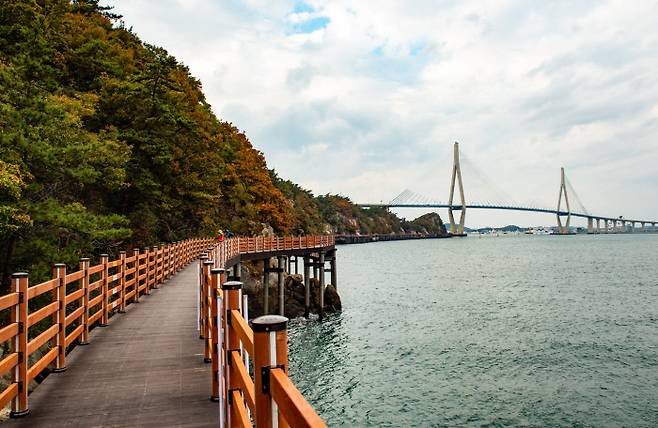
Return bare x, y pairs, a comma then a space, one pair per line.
493, 331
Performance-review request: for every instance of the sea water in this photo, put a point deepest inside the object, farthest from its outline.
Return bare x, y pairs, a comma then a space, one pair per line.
499, 331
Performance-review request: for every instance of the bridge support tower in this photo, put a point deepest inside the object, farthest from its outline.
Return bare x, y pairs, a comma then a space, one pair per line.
563, 228
456, 174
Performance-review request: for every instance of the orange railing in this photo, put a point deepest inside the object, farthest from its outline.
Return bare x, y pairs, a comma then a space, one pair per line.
86, 298
80, 300
231, 342
232, 247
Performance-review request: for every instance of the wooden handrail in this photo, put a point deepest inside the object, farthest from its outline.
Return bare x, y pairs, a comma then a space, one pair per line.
237, 390
108, 286
91, 301
238, 411
296, 410
242, 331
244, 381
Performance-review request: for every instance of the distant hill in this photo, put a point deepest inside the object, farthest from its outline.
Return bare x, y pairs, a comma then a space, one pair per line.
337, 214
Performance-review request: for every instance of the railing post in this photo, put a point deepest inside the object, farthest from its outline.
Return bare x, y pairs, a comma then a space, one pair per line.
232, 298
59, 271
19, 284
136, 276
122, 282
207, 310
105, 317
150, 274
216, 319
155, 267
201, 300
84, 266
270, 351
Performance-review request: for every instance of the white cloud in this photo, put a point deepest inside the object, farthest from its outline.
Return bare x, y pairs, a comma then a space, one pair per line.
367, 100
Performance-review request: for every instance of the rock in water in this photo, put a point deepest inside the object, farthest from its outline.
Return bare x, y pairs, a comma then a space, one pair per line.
332, 299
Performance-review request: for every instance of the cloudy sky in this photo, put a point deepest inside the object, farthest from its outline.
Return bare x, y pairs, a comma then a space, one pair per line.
366, 98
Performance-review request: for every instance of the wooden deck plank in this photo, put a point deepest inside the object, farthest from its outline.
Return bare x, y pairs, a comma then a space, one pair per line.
145, 369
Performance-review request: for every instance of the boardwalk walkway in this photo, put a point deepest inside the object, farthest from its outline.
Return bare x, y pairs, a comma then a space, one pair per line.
145, 370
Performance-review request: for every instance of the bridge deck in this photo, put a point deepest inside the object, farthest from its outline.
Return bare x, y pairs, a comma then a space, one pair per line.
145, 369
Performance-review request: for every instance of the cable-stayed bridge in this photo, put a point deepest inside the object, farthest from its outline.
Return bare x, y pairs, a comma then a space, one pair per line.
563, 210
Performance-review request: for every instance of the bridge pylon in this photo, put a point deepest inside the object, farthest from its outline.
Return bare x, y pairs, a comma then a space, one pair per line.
456, 174
563, 228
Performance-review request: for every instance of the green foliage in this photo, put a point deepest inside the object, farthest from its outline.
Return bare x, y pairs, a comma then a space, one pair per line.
109, 143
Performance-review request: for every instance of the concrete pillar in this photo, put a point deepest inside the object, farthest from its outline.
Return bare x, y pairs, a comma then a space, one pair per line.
590, 225
598, 225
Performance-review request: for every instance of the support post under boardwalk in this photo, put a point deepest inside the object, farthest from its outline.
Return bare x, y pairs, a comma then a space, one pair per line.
321, 285
334, 280
281, 265
266, 286
307, 287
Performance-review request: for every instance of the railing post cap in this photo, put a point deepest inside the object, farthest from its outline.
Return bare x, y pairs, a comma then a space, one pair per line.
233, 285
58, 265
136, 249
267, 323
105, 255
84, 259
208, 262
19, 275
217, 270
122, 252
204, 256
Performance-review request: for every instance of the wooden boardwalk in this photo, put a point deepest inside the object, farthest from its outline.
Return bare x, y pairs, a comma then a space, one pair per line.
145, 369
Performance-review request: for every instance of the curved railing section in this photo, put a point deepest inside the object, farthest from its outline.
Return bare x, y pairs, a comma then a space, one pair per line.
266, 397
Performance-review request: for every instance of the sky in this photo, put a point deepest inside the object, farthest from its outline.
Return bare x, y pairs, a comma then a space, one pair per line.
366, 99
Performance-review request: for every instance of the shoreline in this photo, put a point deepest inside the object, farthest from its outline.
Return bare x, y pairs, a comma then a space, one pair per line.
364, 239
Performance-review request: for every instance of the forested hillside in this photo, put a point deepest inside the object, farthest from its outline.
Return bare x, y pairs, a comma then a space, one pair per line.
108, 143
